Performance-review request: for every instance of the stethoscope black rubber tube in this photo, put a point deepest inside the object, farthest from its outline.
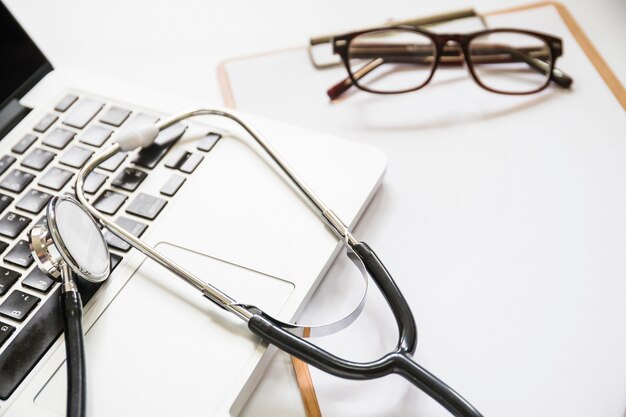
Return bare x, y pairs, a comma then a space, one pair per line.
72, 308
407, 340
399, 361
396, 362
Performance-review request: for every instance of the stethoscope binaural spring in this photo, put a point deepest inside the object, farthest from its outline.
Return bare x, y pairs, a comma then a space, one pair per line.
284, 335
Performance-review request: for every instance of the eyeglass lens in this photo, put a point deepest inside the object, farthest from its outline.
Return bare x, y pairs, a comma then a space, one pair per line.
510, 62
391, 60
399, 60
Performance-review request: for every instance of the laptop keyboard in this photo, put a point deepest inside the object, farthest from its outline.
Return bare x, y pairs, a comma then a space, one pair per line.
50, 155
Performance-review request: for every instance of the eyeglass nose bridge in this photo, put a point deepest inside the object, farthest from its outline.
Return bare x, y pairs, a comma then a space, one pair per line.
452, 38
452, 49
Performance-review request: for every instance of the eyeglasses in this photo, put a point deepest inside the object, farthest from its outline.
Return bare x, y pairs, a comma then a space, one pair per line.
400, 59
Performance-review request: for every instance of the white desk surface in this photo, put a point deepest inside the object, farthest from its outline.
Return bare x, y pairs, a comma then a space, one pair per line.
175, 47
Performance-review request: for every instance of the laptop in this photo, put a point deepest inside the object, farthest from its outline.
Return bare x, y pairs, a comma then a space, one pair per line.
203, 195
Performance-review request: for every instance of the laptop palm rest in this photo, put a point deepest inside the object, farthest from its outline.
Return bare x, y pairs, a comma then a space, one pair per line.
171, 340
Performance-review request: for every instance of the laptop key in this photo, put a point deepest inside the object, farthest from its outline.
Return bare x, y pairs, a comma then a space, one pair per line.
131, 226
24, 143
66, 103
33, 201
12, 224
191, 163
149, 157
184, 161
115, 116
5, 332
208, 142
18, 305
55, 178
59, 138
38, 281
82, 113
129, 179
5, 201
109, 202
16, 181
115, 261
5, 162
139, 120
170, 135
93, 182
172, 185
113, 162
115, 242
45, 123
146, 206
19, 255
8, 277
95, 135
38, 159
177, 158
76, 157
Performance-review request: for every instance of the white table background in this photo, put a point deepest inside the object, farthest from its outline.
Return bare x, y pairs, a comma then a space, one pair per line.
175, 47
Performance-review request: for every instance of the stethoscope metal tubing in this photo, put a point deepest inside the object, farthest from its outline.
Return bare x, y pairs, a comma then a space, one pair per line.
278, 333
209, 291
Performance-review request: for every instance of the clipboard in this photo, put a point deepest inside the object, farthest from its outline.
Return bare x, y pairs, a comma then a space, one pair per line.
239, 77
230, 97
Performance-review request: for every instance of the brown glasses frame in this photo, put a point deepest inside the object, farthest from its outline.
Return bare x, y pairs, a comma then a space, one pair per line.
442, 42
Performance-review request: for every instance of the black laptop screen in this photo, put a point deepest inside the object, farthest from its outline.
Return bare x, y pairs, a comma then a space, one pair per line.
21, 63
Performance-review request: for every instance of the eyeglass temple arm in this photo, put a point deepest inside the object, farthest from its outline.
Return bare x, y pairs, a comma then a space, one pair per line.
344, 85
416, 57
525, 54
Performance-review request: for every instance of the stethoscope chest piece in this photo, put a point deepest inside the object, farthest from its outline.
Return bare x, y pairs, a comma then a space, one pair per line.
70, 237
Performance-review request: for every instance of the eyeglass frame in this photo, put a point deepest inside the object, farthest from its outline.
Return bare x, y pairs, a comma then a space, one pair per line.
341, 45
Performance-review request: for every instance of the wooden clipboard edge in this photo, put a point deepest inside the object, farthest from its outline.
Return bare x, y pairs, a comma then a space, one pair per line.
592, 53
303, 375
307, 389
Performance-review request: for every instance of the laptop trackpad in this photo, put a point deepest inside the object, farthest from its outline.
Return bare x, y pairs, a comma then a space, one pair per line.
160, 329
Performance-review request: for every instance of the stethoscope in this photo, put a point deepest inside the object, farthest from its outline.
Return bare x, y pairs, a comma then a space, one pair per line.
285, 336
